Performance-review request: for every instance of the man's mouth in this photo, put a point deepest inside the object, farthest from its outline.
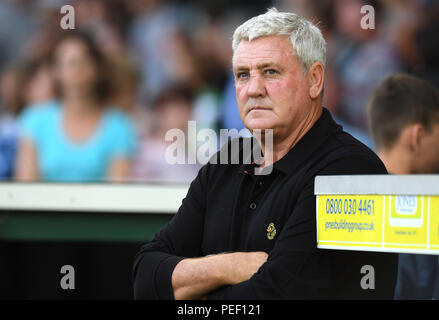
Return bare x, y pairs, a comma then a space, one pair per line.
258, 108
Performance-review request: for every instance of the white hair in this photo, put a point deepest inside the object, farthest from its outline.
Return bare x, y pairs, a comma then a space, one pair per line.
305, 37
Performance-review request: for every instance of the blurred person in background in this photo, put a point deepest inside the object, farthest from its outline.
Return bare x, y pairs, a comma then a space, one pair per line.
79, 136
125, 79
172, 110
11, 104
413, 26
154, 23
404, 121
17, 22
176, 43
361, 58
37, 84
27, 83
107, 22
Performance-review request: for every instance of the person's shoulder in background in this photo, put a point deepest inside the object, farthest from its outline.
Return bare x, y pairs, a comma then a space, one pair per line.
120, 131
344, 145
36, 118
40, 108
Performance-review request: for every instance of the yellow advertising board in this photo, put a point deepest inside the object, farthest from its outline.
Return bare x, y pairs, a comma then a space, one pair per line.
392, 223
352, 220
434, 223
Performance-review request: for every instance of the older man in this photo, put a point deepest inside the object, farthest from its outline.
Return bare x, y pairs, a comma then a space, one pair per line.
243, 234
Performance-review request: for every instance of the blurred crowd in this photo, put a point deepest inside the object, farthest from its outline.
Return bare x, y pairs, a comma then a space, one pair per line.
95, 103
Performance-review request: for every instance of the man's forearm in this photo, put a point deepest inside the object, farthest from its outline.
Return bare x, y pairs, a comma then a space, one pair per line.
194, 278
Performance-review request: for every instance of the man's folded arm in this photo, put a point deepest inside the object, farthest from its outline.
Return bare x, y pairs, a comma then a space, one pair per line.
179, 239
194, 278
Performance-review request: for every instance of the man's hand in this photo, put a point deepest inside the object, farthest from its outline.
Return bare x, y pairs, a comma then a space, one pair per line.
194, 278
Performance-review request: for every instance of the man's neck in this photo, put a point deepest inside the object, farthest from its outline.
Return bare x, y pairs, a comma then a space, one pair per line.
396, 162
282, 146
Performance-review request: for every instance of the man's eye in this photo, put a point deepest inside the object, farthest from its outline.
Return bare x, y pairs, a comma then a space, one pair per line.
271, 72
242, 75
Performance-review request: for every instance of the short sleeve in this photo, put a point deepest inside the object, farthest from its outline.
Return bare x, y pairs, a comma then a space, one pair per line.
33, 121
123, 136
28, 124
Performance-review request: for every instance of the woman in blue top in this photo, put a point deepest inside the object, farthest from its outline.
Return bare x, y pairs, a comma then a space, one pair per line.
77, 137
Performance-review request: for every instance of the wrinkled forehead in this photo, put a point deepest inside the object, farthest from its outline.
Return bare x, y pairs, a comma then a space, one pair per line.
272, 48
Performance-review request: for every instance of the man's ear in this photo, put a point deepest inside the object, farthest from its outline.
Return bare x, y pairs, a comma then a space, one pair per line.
417, 132
316, 76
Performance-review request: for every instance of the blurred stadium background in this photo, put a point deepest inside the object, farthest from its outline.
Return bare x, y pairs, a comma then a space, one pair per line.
169, 61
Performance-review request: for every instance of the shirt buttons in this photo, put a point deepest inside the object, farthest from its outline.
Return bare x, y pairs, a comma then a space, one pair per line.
253, 206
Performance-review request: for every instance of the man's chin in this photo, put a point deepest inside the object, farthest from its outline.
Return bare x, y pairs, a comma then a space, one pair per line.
259, 127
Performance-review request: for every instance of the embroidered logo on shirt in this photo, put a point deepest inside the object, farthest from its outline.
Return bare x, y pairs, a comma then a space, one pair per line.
271, 231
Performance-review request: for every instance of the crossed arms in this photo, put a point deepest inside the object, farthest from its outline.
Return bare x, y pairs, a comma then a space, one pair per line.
196, 277
171, 266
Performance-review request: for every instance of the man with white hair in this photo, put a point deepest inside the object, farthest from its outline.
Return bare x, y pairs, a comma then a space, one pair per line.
248, 230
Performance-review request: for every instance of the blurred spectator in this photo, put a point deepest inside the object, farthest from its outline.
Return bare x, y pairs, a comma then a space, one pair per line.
404, 122
17, 21
413, 27
428, 48
107, 21
124, 80
172, 110
37, 82
361, 58
11, 104
79, 136
154, 26
28, 83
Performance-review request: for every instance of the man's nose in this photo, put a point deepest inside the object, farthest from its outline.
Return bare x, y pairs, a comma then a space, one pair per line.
256, 87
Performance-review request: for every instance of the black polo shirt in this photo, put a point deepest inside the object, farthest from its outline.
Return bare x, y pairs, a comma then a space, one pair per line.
229, 208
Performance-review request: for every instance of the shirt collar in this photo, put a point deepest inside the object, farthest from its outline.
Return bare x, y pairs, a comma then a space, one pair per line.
302, 150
